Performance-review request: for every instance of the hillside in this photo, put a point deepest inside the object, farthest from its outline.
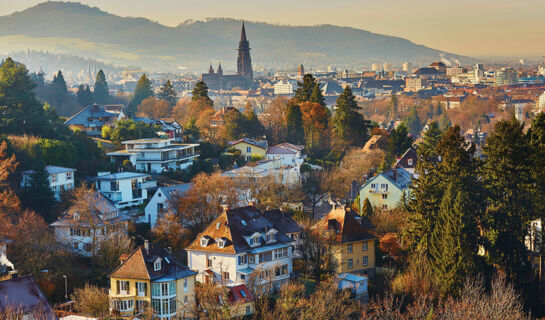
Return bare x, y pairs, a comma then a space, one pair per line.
73, 28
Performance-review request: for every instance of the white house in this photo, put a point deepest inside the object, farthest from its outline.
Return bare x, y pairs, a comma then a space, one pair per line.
124, 189
386, 189
84, 229
285, 174
156, 155
289, 154
60, 179
159, 203
240, 246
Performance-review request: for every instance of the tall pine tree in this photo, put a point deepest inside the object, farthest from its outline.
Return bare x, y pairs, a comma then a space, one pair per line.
349, 125
167, 92
142, 91
317, 96
37, 195
102, 93
200, 93
294, 123
304, 89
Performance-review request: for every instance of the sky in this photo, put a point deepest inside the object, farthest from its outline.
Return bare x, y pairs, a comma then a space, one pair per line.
467, 27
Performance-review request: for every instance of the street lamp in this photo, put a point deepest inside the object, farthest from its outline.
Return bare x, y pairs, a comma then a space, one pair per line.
65, 287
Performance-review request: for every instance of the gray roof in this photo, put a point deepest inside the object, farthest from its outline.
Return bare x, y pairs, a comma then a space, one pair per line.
281, 221
53, 170
175, 190
24, 295
95, 112
121, 176
402, 180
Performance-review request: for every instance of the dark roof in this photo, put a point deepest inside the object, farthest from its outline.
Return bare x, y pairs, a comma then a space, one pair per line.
240, 294
140, 265
427, 71
409, 154
179, 189
260, 144
345, 226
234, 225
282, 221
96, 112
24, 295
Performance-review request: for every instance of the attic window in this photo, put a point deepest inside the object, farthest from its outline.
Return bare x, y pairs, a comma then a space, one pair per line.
157, 265
221, 243
243, 222
256, 240
204, 242
218, 225
243, 293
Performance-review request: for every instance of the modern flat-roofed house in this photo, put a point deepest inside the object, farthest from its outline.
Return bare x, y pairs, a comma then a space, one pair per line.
124, 189
21, 298
159, 203
92, 118
60, 179
156, 155
84, 228
152, 277
239, 246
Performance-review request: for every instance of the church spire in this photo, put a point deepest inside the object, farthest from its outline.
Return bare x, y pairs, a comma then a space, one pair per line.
211, 70
219, 70
243, 33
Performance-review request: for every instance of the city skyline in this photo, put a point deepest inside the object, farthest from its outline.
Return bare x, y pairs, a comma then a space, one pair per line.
472, 28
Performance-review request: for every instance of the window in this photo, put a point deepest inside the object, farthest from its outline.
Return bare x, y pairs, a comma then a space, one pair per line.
255, 240
243, 293
265, 257
185, 284
156, 305
124, 305
364, 246
172, 303
114, 186
204, 242
251, 259
271, 237
350, 248
221, 243
124, 287
225, 275
384, 207
209, 262
164, 306
365, 261
69, 175
172, 288
373, 186
53, 178
350, 263
141, 305
157, 265
141, 288
249, 149
186, 300
159, 207
384, 196
281, 253
242, 259
410, 162
384, 186
248, 310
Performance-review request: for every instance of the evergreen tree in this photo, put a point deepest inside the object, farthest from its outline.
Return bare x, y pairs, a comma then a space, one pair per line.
413, 122
37, 196
317, 96
366, 208
294, 120
348, 124
200, 92
58, 92
85, 97
304, 90
444, 121
252, 125
234, 125
430, 138
536, 135
394, 103
507, 176
142, 91
167, 92
21, 112
399, 140
102, 93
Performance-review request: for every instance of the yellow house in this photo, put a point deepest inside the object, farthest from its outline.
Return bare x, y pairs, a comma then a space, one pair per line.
151, 277
354, 246
250, 148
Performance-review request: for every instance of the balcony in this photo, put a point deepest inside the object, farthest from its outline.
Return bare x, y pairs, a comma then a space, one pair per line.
147, 184
378, 191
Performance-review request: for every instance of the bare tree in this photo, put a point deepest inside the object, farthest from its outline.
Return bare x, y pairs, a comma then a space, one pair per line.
318, 250
91, 300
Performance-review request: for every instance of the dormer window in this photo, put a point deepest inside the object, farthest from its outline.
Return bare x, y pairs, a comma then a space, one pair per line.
204, 241
157, 265
271, 236
255, 240
220, 242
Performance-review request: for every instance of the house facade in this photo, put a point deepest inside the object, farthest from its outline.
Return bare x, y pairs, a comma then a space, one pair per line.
250, 148
156, 155
354, 245
159, 203
407, 161
124, 189
386, 189
288, 154
268, 168
60, 179
150, 277
242, 246
84, 228
92, 118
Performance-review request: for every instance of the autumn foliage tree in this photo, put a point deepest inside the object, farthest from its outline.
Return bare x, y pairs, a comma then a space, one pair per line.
316, 124
154, 108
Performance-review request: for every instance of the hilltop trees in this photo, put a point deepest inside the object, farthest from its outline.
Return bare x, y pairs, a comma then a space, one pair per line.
85, 96
167, 93
305, 89
142, 90
102, 93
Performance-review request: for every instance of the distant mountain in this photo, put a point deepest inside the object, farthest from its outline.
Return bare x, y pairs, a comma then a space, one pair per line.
73, 28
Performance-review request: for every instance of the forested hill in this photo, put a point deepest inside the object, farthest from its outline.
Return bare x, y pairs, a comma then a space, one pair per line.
74, 28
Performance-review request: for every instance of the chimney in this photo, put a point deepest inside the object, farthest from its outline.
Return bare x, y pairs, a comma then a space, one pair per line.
146, 246
13, 274
394, 172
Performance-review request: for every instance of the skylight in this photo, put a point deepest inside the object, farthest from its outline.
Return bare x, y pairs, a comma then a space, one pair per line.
243, 222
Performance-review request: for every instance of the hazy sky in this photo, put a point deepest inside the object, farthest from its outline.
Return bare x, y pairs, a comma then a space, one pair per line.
467, 27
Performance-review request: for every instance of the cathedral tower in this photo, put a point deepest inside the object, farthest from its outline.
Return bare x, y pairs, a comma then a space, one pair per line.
244, 62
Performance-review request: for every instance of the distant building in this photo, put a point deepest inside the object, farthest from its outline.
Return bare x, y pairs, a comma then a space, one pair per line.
407, 161
156, 155
507, 77
386, 189
478, 71
407, 67
22, 298
159, 203
357, 284
541, 103
300, 71
124, 189
284, 87
387, 67
243, 79
92, 118
413, 84
60, 179
218, 118
376, 67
